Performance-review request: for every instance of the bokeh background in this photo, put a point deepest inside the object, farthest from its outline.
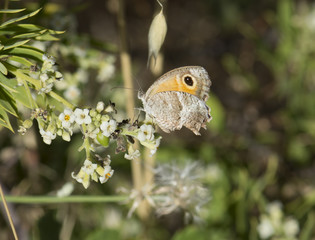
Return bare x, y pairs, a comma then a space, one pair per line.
257, 156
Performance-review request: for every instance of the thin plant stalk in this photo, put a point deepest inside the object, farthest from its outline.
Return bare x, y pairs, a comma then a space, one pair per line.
149, 159
62, 200
6, 6
125, 60
8, 213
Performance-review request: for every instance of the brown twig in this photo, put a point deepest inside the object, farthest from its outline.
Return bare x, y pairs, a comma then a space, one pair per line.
8, 213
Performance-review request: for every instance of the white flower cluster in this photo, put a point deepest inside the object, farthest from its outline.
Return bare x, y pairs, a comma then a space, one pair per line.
98, 127
68, 119
48, 74
273, 224
94, 171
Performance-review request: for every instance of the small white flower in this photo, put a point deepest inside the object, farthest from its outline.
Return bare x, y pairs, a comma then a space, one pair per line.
67, 118
66, 136
100, 106
92, 133
108, 173
48, 59
47, 136
156, 145
46, 88
87, 172
72, 93
291, 227
146, 133
89, 167
44, 77
108, 127
82, 116
265, 228
22, 130
133, 155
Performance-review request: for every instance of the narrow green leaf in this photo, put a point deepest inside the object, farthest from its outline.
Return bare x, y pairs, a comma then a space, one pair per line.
21, 60
55, 32
27, 35
26, 51
26, 27
14, 20
4, 120
12, 10
22, 96
7, 102
8, 84
46, 37
15, 44
17, 31
24, 77
3, 69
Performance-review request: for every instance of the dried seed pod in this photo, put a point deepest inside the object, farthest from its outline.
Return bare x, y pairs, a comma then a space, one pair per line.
156, 34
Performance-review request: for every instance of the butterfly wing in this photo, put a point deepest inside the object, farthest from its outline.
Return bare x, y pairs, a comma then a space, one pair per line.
178, 98
173, 110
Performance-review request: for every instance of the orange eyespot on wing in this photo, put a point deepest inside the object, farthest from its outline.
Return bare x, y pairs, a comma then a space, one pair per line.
173, 84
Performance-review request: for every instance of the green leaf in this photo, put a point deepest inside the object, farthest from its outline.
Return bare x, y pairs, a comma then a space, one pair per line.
21, 60
15, 44
26, 31
14, 20
3, 69
21, 95
27, 51
8, 84
27, 35
26, 27
7, 102
46, 37
4, 120
12, 10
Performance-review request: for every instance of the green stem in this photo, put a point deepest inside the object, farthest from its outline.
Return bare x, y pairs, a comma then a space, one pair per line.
61, 99
6, 6
86, 144
68, 199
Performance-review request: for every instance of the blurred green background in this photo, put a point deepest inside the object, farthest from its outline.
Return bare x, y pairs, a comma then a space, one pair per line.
257, 155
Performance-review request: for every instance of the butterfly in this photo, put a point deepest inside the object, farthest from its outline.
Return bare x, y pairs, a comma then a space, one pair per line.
178, 98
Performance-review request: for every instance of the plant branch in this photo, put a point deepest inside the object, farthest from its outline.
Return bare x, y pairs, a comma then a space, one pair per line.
8, 213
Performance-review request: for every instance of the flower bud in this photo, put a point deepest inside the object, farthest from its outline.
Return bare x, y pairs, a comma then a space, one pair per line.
100, 106
28, 123
103, 140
